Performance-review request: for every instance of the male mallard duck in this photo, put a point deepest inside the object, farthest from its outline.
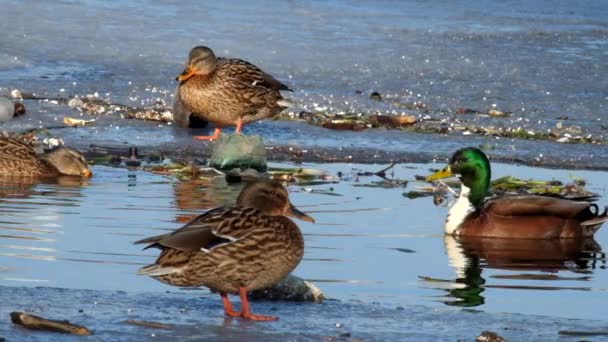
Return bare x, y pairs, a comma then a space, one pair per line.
18, 159
522, 217
233, 249
226, 92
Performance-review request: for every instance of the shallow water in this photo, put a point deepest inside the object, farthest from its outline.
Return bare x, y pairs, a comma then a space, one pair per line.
369, 245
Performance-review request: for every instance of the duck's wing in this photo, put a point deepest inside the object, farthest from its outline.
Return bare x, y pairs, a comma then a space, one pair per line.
216, 227
246, 73
16, 150
530, 205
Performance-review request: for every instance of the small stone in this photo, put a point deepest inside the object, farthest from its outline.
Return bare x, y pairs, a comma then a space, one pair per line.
375, 96
15, 93
292, 288
489, 336
75, 103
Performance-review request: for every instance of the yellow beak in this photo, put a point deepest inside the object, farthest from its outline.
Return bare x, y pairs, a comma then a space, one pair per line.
188, 72
443, 173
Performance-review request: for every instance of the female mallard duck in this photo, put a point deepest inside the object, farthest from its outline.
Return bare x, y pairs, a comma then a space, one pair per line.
18, 159
233, 249
226, 92
522, 217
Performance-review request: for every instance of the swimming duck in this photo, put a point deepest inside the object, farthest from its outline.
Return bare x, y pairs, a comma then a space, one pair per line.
250, 246
226, 92
18, 159
522, 217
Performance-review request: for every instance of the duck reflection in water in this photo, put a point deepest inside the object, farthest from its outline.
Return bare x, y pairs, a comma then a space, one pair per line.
202, 194
471, 255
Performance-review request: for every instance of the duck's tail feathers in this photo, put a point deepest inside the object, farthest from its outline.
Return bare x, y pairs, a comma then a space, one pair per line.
155, 270
150, 240
285, 103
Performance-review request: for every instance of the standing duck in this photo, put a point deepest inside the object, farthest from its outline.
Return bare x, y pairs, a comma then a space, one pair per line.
226, 92
234, 249
18, 159
521, 217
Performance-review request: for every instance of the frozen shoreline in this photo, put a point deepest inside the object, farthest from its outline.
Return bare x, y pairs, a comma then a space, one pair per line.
193, 316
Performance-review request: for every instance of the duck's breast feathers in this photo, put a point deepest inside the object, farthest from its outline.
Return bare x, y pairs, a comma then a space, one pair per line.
244, 72
14, 149
537, 206
216, 227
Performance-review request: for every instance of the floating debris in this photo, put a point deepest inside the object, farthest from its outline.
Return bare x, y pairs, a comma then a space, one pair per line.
39, 323
583, 333
77, 122
403, 250
512, 185
302, 176
149, 324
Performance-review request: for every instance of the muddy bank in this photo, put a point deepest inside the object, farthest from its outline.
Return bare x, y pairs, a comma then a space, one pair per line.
194, 316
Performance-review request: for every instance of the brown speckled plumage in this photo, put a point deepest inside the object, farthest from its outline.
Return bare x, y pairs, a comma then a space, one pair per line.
18, 159
250, 246
224, 90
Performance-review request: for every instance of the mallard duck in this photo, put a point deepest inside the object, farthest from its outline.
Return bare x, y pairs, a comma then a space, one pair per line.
226, 92
522, 217
18, 159
250, 246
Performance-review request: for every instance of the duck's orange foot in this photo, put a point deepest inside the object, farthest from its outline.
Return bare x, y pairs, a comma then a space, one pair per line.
205, 137
215, 135
253, 317
232, 313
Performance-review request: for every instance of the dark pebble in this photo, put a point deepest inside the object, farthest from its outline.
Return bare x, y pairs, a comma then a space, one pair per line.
133, 163
155, 158
80, 310
359, 92
19, 109
375, 96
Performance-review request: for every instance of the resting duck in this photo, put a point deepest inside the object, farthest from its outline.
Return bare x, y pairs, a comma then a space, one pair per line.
226, 92
234, 249
18, 159
521, 217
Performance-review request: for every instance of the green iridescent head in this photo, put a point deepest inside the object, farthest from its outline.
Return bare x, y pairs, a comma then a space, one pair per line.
472, 167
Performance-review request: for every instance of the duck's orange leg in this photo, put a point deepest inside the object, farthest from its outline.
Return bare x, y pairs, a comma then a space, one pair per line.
228, 310
239, 125
216, 134
245, 309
